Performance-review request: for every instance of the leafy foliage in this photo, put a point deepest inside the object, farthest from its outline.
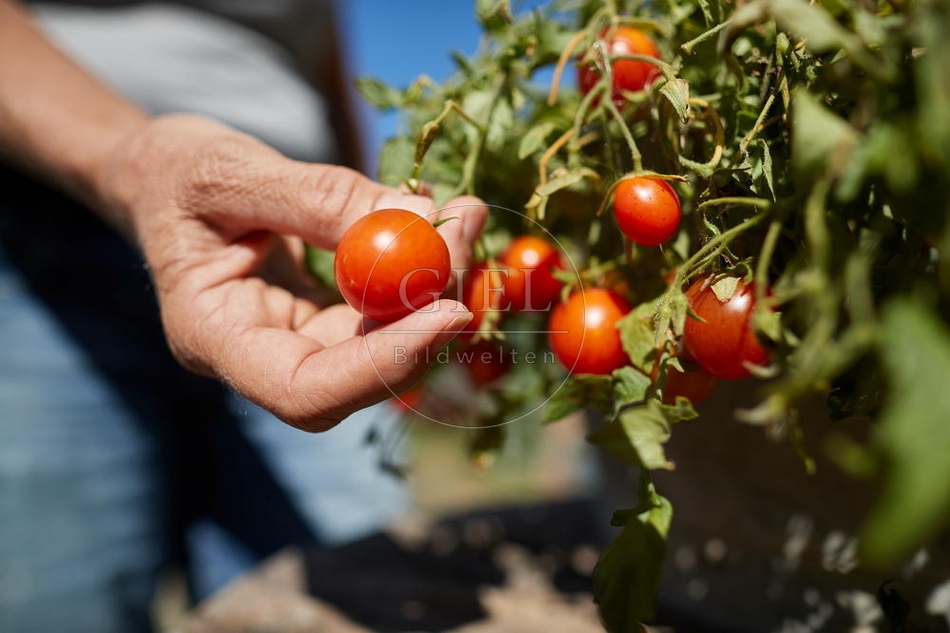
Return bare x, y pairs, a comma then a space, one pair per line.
810, 145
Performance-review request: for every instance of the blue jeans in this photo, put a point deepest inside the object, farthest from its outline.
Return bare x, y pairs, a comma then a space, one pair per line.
114, 461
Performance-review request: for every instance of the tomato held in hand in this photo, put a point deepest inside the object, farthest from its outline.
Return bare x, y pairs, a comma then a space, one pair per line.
647, 209
531, 285
723, 343
628, 74
583, 333
391, 263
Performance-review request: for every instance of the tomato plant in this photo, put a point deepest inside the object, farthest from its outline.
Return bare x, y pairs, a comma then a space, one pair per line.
628, 74
583, 332
721, 338
530, 283
647, 209
809, 147
390, 263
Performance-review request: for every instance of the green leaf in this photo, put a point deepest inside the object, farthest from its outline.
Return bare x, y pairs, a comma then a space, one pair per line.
580, 392
637, 435
396, 159
493, 14
821, 139
320, 265
628, 573
378, 94
677, 93
812, 23
630, 386
637, 336
464, 65
478, 104
679, 309
534, 138
563, 181
552, 37
767, 168
725, 287
913, 434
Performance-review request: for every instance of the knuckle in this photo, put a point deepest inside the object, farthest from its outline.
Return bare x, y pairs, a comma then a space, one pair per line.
213, 178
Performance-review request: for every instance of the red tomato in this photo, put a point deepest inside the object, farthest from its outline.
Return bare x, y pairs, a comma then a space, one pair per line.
483, 289
628, 74
723, 342
531, 285
391, 263
694, 385
485, 361
583, 333
647, 209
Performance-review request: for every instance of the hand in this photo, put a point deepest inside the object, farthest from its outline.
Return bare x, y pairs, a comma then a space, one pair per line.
221, 219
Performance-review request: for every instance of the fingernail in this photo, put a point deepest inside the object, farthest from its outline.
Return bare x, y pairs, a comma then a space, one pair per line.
453, 329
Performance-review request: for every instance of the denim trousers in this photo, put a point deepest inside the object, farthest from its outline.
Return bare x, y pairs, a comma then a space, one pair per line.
115, 461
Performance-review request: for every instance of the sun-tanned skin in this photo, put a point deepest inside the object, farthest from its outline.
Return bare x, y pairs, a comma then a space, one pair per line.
221, 219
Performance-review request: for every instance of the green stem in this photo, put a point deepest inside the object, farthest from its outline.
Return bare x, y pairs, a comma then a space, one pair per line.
627, 135
744, 144
690, 45
429, 132
715, 246
765, 259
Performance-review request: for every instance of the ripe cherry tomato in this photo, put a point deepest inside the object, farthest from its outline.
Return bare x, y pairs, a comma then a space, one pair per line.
485, 361
583, 333
390, 263
723, 342
531, 285
483, 288
628, 74
696, 385
647, 209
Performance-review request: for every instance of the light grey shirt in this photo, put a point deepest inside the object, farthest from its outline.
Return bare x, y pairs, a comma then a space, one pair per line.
168, 57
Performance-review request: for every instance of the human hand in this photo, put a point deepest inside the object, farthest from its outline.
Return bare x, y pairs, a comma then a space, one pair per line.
221, 219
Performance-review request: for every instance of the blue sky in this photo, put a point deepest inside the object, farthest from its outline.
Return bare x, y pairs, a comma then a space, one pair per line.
398, 41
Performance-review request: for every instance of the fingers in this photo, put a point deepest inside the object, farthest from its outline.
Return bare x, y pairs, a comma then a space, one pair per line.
239, 185
314, 386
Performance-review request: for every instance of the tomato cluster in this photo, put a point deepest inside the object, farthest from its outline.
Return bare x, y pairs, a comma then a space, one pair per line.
523, 280
392, 262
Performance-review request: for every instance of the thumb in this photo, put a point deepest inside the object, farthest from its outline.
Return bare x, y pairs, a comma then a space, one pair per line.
313, 383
